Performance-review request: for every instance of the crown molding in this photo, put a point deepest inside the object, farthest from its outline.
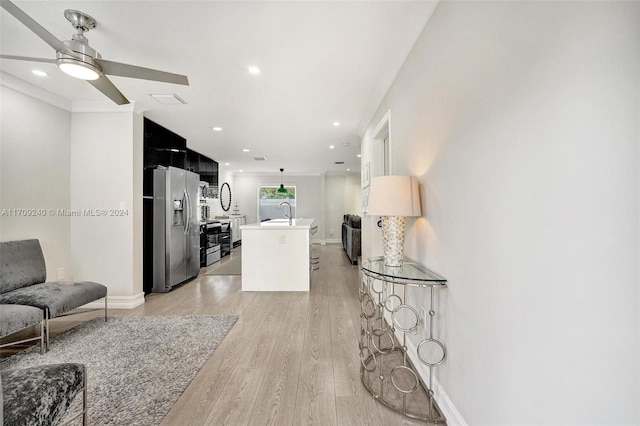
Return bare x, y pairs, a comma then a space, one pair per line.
26, 88
106, 106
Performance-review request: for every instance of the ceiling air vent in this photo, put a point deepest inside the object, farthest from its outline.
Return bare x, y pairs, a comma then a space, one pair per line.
171, 99
259, 158
339, 162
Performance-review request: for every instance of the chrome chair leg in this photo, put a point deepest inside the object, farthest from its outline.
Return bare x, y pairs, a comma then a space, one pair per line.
42, 336
84, 397
46, 328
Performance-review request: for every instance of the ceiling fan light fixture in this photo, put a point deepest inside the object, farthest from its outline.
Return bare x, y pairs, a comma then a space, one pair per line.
78, 69
76, 58
82, 65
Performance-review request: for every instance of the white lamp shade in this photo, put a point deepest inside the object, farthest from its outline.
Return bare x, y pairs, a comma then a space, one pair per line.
394, 196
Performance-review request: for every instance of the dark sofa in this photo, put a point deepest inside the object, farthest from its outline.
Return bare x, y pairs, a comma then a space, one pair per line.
23, 282
351, 237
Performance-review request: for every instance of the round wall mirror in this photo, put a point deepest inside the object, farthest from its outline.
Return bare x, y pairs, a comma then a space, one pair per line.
225, 196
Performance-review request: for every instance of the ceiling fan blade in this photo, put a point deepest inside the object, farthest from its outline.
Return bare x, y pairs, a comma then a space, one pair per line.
133, 71
105, 85
26, 58
40, 31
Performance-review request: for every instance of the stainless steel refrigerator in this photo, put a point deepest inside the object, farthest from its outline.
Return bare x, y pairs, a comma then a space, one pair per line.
176, 232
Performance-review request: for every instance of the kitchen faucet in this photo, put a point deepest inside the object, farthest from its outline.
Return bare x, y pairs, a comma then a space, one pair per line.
286, 215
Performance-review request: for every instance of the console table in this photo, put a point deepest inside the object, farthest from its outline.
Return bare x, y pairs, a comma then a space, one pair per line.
396, 302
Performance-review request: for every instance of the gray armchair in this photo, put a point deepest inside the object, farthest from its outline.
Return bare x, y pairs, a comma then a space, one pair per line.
22, 282
39, 396
14, 318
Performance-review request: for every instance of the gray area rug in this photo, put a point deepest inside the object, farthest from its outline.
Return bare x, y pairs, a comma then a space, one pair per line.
231, 267
137, 366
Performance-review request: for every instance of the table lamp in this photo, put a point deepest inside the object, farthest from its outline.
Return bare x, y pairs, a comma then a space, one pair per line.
394, 198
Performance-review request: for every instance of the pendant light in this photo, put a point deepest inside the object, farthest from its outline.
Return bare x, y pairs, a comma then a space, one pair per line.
282, 189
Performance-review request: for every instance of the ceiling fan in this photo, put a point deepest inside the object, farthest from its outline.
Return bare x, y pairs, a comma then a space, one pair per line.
76, 58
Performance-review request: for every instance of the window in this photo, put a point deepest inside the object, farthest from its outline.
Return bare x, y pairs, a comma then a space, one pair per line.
269, 200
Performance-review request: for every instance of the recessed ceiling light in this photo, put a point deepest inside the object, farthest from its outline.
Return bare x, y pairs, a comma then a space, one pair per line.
40, 73
359, 155
348, 170
331, 146
254, 70
216, 129
336, 123
227, 164
240, 171
245, 150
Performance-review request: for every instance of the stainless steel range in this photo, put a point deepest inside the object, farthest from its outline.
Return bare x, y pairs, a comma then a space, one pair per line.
212, 254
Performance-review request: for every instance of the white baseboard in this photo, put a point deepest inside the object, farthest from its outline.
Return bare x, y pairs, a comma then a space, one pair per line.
449, 410
118, 302
333, 240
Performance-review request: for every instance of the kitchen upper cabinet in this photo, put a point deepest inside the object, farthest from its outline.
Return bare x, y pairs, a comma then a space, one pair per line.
204, 166
210, 170
193, 161
162, 147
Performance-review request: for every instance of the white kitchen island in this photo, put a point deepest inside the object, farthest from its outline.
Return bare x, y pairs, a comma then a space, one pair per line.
275, 255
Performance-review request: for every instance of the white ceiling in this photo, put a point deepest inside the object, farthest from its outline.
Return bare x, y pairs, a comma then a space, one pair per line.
320, 62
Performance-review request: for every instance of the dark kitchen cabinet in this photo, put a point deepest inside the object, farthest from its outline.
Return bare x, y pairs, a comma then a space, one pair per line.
192, 161
162, 147
203, 165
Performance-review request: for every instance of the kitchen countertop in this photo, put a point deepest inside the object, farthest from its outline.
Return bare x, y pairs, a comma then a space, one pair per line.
280, 224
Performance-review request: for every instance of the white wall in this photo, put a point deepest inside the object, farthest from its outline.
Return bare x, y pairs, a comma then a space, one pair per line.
308, 201
34, 174
353, 194
106, 148
334, 207
521, 121
137, 206
58, 160
326, 198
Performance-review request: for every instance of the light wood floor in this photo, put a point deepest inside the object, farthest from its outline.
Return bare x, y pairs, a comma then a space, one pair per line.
291, 359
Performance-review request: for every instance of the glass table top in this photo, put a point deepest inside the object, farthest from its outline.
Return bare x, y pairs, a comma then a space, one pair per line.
409, 271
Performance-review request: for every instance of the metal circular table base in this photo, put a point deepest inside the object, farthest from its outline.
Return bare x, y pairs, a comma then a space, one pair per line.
368, 306
389, 302
407, 327
433, 342
397, 316
377, 335
364, 359
404, 368
377, 289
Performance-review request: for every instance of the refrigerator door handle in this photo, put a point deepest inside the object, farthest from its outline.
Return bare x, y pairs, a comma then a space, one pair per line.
186, 212
190, 211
